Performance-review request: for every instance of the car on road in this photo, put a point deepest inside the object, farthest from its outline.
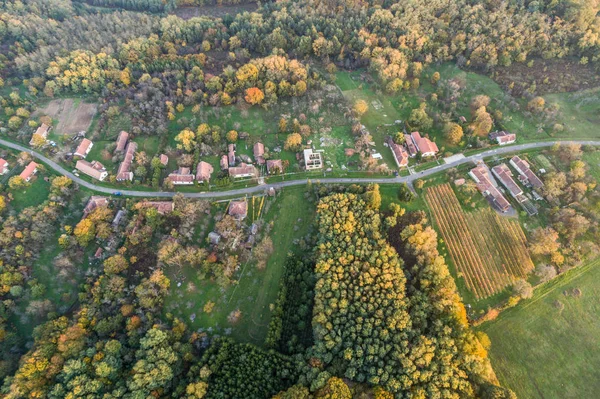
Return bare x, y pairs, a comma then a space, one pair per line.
117, 193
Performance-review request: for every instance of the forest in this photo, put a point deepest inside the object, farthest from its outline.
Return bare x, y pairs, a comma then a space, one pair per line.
369, 308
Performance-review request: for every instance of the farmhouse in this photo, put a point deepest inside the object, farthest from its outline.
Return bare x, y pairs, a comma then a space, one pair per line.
122, 141
95, 169
29, 171
312, 160
427, 147
259, 152
274, 166
161, 207
231, 154
3, 166
410, 145
95, 201
243, 170
42, 132
503, 173
399, 153
224, 163
84, 148
164, 160
503, 137
487, 187
181, 176
203, 171
528, 177
124, 172
238, 209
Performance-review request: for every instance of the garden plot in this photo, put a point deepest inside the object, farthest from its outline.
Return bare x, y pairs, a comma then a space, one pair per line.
73, 115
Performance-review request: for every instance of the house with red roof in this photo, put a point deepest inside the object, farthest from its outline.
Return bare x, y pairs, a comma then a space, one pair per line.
259, 152
238, 209
488, 187
3, 166
399, 153
203, 171
426, 147
274, 166
29, 171
84, 148
181, 176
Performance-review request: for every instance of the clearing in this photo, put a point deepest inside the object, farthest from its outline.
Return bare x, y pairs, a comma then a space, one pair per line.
488, 250
547, 347
73, 115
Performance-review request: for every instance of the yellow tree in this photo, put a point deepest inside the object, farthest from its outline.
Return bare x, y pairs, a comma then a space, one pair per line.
454, 133
187, 139
293, 142
254, 95
360, 107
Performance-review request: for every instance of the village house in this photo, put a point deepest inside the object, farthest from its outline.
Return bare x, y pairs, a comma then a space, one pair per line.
238, 209
399, 153
503, 137
29, 171
274, 166
312, 160
487, 186
231, 154
164, 160
95, 201
427, 147
94, 169
118, 218
503, 173
243, 170
181, 176
162, 207
3, 167
259, 152
84, 148
41, 131
124, 172
203, 172
122, 141
527, 176
412, 148
224, 163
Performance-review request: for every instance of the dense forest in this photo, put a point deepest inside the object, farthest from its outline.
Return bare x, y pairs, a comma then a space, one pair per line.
370, 309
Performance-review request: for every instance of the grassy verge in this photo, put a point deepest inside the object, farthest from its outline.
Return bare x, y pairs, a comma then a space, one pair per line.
541, 351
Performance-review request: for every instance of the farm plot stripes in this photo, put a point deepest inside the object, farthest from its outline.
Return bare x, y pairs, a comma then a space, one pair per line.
488, 250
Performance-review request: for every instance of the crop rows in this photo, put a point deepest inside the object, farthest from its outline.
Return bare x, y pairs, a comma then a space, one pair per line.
488, 250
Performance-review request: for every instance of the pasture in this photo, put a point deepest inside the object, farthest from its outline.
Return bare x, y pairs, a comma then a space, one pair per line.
547, 347
489, 251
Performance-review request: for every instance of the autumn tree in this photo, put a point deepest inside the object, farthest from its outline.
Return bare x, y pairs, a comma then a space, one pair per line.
454, 133
293, 142
360, 107
254, 95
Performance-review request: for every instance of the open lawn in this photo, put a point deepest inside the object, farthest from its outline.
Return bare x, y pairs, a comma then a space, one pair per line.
33, 195
541, 351
255, 289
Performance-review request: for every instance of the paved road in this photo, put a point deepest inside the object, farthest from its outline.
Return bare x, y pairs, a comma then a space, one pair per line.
250, 190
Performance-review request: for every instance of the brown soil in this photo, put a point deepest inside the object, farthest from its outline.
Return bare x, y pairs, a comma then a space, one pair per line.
71, 119
549, 76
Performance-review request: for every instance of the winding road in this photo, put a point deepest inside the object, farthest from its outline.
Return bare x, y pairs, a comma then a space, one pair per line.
255, 189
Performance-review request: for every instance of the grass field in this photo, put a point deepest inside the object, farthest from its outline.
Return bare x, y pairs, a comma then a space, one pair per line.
256, 289
489, 251
33, 195
579, 113
540, 351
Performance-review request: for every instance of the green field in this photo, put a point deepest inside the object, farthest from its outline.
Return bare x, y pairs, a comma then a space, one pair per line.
579, 113
255, 289
33, 195
540, 351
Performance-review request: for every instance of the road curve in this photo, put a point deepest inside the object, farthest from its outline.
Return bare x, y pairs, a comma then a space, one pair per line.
256, 189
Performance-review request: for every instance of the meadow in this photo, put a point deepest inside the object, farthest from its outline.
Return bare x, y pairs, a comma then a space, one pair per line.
547, 347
